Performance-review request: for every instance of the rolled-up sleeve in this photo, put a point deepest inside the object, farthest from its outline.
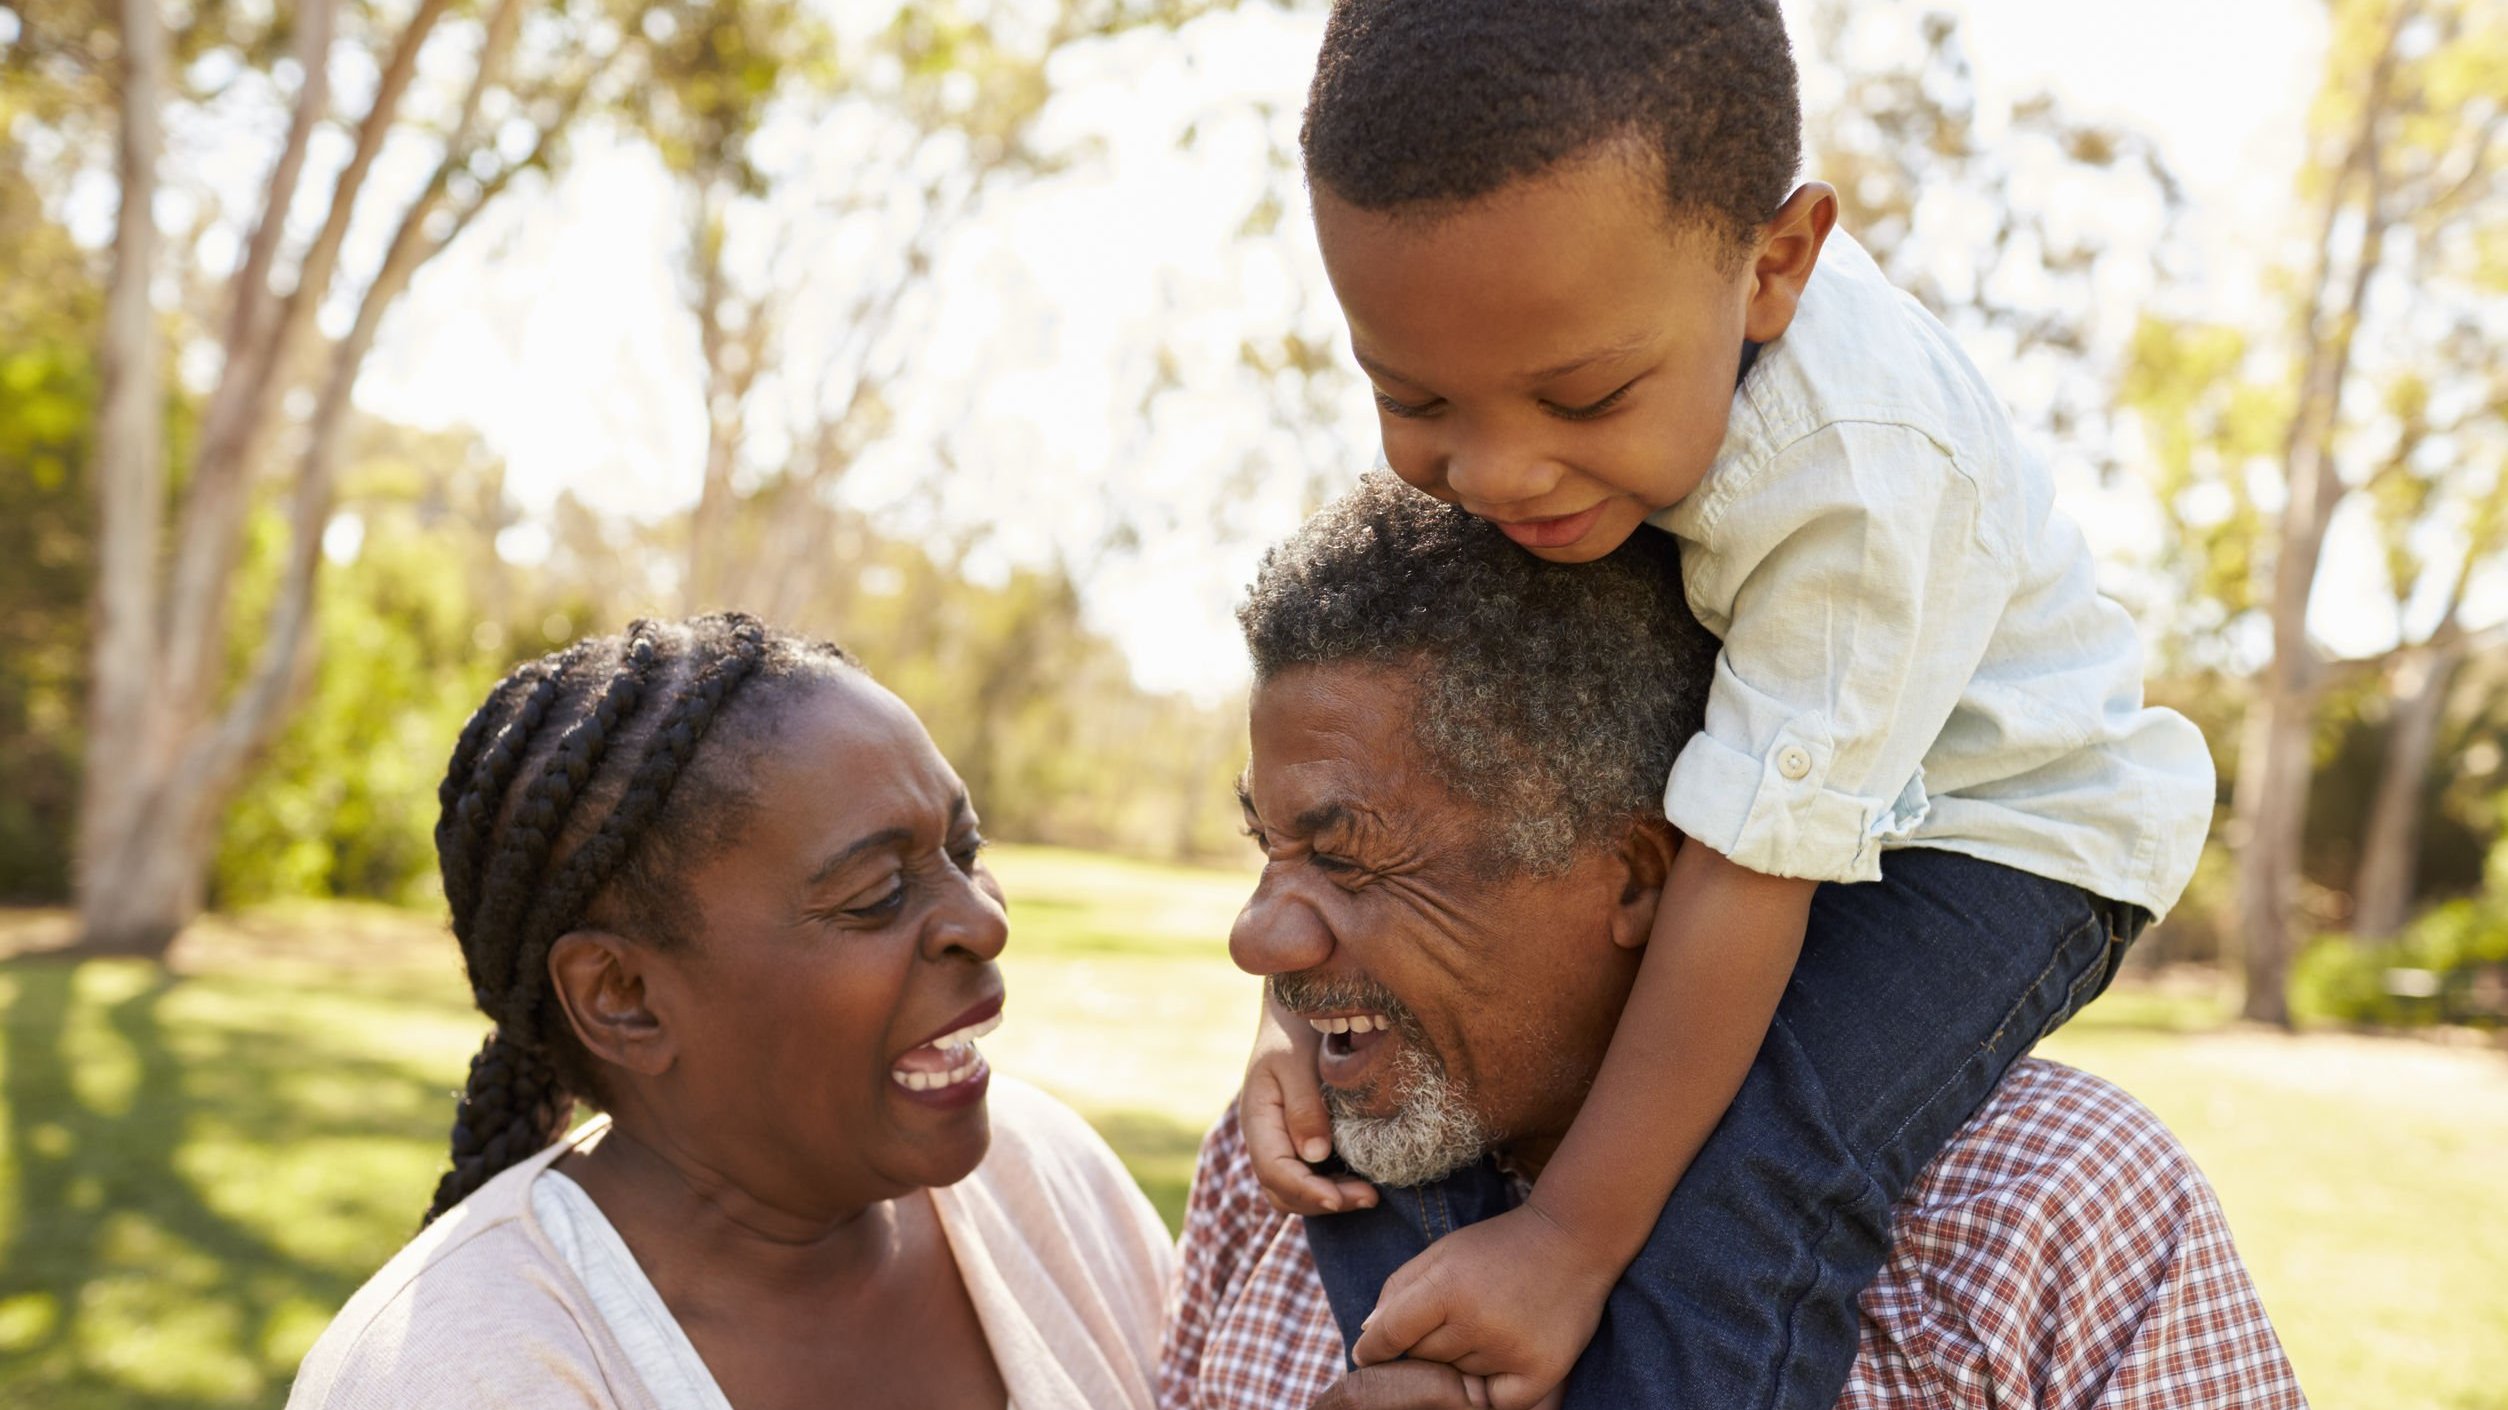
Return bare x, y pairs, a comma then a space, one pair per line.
1856, 584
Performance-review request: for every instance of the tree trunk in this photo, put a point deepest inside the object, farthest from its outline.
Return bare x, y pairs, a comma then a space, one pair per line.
2270, 810
164, 752
130, 480
2390, 853
2272, 805
158, 871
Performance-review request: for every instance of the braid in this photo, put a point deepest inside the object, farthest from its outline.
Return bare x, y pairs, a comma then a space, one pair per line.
497, 846
597, 860
532, 833
512, 1106
474, 786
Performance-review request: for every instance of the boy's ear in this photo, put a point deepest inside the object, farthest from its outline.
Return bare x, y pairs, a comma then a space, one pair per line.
1645, 854
599, 979
1781, 265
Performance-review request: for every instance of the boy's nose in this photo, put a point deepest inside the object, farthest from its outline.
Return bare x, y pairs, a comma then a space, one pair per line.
1491, 477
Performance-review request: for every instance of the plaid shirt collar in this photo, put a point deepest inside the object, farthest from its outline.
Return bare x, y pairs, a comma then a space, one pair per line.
2062, 1253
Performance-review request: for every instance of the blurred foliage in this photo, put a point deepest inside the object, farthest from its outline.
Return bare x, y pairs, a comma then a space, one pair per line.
49, 304
2450, 966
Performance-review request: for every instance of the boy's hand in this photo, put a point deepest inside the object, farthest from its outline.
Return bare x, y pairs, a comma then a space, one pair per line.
1512, 1298
1282, 1112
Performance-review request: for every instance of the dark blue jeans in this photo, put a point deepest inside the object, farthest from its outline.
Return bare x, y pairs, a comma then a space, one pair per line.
1913, 995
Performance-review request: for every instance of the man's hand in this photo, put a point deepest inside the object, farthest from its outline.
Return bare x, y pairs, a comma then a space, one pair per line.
1512, 1298
1282, 1111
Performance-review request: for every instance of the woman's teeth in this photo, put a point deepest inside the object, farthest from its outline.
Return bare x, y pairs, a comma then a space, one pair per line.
966, 1071
962, 1063
965, 1035
1356, 1023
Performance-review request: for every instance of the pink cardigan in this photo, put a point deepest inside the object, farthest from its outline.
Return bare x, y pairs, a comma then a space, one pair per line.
1065, 1261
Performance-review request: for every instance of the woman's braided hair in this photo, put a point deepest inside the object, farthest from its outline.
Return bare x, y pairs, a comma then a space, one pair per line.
575, 788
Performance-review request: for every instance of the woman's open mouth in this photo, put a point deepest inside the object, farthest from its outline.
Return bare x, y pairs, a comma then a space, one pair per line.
948, 1071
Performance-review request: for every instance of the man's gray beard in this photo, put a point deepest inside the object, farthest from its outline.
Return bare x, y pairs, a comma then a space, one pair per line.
1431, 1135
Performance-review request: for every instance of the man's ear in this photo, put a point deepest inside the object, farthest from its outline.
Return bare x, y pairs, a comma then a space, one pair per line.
1645, 855
599, 979
1781, 264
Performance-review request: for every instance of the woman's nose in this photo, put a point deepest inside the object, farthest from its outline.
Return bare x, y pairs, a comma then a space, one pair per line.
1278, 931
970, 920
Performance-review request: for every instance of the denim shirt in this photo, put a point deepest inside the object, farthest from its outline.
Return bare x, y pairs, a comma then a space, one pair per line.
1916, 652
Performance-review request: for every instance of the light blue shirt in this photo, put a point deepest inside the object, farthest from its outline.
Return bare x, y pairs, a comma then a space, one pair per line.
1916, 653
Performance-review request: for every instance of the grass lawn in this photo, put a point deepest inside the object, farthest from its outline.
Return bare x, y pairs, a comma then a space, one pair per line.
198, 1166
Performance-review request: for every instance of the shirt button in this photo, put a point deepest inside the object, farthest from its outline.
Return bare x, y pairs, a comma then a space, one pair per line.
1793, 761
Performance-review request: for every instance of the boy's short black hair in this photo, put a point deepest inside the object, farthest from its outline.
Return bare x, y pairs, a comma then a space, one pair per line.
1447, 100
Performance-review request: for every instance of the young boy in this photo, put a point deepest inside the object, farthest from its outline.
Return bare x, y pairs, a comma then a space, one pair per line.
1590, 298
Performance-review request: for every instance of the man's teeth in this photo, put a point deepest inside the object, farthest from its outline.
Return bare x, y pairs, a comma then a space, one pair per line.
1355, 1023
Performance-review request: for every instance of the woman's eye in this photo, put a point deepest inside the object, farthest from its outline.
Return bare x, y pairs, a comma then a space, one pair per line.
1591, 410
885, 906
1326, 861
1390, 407
965, 853
1261, 840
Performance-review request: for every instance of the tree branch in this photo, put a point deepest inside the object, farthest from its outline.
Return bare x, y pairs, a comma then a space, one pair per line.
239, 409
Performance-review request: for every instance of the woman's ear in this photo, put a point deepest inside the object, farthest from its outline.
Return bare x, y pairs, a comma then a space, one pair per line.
600, 982
1645, 855
1780, 267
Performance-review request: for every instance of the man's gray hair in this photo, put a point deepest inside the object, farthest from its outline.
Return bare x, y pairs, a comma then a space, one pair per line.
1554, 695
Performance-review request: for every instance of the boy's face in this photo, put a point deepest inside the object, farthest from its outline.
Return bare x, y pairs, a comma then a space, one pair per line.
1558, 357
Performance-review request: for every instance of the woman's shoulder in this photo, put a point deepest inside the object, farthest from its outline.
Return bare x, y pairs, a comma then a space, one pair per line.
1040, 1142
1047, 1163
475, 1310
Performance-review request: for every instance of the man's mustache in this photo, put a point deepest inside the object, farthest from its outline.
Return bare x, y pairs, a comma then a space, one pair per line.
1308, 992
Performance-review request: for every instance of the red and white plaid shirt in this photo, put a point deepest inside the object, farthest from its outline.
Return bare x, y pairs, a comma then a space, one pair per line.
2062, 1253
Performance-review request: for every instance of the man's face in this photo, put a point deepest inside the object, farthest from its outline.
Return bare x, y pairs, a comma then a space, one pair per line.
1380, 898
1555, 357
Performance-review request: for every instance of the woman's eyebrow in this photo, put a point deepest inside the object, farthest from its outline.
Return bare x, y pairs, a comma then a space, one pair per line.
885, 837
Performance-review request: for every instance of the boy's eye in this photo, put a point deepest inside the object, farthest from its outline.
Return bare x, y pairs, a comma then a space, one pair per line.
1390, 407
1590, 410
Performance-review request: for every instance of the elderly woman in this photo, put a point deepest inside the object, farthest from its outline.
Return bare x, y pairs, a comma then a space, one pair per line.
718, 884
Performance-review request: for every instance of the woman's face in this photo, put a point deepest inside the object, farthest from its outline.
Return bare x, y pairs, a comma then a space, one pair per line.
845, 933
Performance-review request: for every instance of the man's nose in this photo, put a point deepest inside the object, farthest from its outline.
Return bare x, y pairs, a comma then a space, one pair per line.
1278, 932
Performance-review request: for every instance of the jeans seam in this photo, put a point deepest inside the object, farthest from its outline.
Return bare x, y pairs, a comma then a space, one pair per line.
2001, 1027
1799, 1294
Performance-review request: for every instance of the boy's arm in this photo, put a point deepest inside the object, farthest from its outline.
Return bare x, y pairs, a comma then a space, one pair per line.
1517, 1297
1724, 943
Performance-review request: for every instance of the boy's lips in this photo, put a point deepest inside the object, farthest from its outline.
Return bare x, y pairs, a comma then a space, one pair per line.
1557, 531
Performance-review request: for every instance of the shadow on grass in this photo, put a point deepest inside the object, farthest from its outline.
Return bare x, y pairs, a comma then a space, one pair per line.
107, 1226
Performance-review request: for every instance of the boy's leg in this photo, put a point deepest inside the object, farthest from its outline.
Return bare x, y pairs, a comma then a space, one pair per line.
1912, 996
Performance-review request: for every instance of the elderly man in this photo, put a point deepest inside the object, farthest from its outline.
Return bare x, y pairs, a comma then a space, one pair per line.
1456, 755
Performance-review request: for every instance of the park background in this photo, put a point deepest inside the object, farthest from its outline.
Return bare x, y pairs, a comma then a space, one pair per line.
352, 351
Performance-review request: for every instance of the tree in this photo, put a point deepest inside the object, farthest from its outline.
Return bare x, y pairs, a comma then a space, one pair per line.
2382, 383
174, 714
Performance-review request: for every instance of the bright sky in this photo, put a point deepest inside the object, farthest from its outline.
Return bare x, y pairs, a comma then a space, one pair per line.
567, 347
